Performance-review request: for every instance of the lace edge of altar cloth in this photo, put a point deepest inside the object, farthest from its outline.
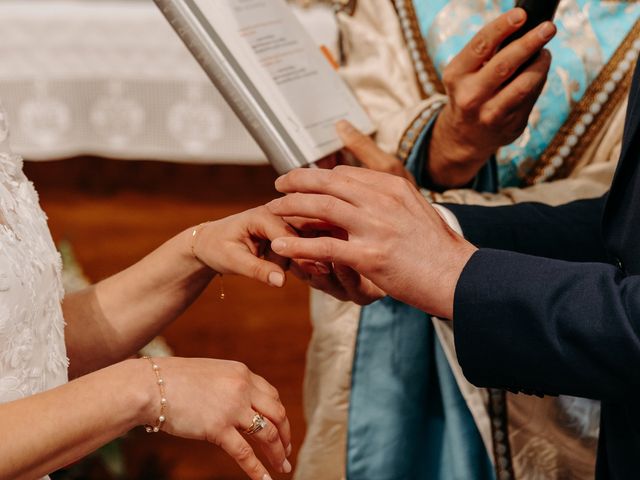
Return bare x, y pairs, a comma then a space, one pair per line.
112, 79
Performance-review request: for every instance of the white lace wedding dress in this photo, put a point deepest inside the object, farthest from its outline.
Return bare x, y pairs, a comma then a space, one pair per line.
32, 349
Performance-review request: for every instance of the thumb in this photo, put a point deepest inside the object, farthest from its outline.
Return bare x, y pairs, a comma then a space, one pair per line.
367, 151
358, 144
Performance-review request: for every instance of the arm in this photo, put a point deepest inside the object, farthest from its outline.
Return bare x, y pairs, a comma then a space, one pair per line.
490, 98
522, 322
569, 232
45, 432
122, 313
56, 429
552, 327
488, 106
392, 236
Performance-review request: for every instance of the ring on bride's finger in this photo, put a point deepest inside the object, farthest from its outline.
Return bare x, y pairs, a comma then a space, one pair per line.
259, 423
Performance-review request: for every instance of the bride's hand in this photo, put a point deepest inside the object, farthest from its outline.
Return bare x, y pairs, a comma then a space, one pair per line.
216, 401
339, 281
239, 244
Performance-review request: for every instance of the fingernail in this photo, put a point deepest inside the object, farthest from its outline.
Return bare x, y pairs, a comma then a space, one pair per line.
286, 467
279, 180
278, 245
267, 477
276, 279
322, 269
516, 16
345, 127
546, 31
289, 450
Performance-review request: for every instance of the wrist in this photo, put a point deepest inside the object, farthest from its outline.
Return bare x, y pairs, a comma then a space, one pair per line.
456, 258
454, 159
142, 391
463, 252
190, 246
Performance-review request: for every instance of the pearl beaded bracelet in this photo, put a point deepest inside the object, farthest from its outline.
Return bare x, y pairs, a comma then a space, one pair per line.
163, 400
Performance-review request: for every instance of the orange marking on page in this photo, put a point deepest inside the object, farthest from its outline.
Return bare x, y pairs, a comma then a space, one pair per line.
329, 56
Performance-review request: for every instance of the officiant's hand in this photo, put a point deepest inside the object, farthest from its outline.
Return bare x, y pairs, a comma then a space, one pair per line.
216, 401
369, 154
490, 100
239, 244
395, 237
366, 152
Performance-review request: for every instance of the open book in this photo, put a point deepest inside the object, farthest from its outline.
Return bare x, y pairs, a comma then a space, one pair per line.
277, 80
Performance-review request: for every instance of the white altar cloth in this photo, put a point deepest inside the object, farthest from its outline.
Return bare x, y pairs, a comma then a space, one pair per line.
110, 78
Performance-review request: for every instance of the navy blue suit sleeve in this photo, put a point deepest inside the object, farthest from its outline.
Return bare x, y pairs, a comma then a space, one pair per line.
570, 232
547, 326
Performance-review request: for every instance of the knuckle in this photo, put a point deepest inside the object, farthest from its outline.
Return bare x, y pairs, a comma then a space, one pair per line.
328, 203
239, 389
396, 200
524, 91
241, 369
272, 435
480, 45
255, 469
377, 257
486, 117
397, 184
280, 414
244, 453
273, 393
408, 186
331, 177
449, 78
490, 117
467, 101
532, 43
501, 27
347, 182
400, 186
326, 250
257, 210
258, 270
503, 69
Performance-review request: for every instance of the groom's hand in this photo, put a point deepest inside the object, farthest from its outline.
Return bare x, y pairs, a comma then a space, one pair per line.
393, 236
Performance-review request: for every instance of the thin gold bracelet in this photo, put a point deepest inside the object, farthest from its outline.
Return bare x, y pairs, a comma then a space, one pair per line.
163, 399
194, 234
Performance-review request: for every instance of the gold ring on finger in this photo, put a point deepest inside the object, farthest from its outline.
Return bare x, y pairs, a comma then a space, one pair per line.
258, 424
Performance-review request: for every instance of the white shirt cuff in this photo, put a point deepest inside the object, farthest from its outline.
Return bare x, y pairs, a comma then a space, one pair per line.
449, 217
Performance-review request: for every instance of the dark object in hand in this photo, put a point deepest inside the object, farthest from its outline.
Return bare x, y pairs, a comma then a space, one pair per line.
538, 11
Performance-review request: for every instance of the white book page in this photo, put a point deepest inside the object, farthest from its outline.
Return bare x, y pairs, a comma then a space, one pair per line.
288, 69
